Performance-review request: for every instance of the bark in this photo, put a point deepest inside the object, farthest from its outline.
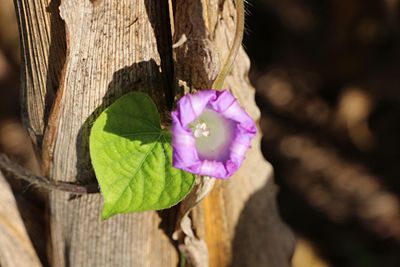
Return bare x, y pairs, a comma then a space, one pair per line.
112, 47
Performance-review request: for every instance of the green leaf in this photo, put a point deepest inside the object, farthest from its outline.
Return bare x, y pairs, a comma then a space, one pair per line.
132, 158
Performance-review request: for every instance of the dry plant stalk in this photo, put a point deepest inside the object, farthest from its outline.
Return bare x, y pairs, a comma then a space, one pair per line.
16, 247
80, 56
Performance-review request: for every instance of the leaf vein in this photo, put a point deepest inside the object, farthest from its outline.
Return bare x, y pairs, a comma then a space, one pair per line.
133, 176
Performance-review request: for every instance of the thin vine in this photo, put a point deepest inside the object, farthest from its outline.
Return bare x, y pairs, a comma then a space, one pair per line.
237, 42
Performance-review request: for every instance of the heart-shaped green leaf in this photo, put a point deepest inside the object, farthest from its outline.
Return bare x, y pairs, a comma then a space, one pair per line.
132, 158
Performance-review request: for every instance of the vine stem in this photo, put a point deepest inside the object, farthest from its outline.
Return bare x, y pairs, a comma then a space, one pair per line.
237, 42
16, 170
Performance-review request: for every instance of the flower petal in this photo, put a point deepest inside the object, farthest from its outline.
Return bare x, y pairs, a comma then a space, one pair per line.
190, 106
227, 105
213, 169
183, 144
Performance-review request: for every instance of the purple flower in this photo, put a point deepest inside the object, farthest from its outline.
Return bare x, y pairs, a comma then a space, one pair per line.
210, 133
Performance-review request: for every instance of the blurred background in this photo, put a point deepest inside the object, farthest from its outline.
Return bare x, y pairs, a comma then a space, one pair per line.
327, 75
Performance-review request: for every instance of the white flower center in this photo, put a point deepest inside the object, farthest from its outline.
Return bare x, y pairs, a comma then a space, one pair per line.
201, 129
213, 135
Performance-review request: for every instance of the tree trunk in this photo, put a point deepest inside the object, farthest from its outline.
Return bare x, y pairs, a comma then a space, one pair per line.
81, 55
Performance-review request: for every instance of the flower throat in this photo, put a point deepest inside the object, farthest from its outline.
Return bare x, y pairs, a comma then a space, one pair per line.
213, 135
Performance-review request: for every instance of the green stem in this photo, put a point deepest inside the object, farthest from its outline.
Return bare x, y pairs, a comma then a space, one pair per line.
237, 41
182, 259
